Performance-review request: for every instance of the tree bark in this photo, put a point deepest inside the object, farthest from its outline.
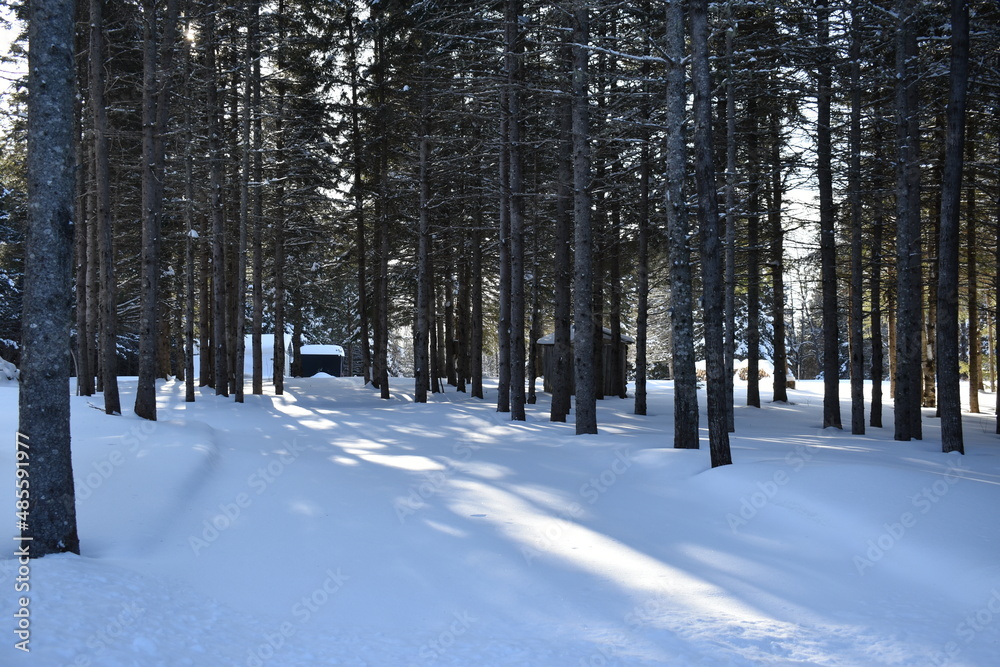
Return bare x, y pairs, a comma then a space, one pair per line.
107, 346
949, 400
776, 189
908, 254
583, 265
856, 320
681, 290
827, 231
157, 68
708, 216
46, 508
562, 352
513, 62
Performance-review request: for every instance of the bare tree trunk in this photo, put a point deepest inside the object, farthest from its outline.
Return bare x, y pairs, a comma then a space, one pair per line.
776, 188
856, 323
730, 228
753, 260
972, 269
827, 229
908, 254
514, 66
878, 359
949, 398
46, 508
583, 279
357, 190
708, 214
81, 234
642, 261
681, 290
278, 378
257, 214
105, 231
561, 364
476, 347
156, 99
421, 336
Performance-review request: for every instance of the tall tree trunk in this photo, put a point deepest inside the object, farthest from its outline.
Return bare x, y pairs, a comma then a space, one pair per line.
972, 270
157, 66
856, 320
81, 235
107, 346
216, 212
583, 268
776, 189
421, 337
708, 215
561, 363
513, 61
503, 321
256, 203
753, 259
949, 399
189, 240
878, 357
357, 191
476, 347
730, 225
827, 230
908, 293
681, 290
642, 261
278, 374
46, 508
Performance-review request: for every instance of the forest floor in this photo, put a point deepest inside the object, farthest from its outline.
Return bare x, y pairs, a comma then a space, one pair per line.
329, 527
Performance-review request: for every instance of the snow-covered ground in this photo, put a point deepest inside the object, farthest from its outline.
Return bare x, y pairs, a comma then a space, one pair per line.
327, 526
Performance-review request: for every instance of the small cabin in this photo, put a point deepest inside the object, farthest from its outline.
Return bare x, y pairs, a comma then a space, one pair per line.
327, 359
615, 370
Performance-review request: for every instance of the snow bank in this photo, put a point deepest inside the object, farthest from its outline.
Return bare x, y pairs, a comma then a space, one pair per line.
326, 526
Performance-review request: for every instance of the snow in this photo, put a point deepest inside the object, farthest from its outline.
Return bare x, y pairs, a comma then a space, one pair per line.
323, 349
327, 526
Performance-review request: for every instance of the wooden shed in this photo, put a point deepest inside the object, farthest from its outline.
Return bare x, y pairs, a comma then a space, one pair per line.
613, 368
327, 359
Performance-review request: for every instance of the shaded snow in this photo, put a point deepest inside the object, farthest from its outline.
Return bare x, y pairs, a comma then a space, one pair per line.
327, 526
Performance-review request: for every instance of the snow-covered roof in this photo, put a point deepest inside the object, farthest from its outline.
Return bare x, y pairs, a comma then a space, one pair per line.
323, 349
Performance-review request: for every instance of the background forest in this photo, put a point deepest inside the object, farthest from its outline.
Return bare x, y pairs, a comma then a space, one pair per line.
410, 179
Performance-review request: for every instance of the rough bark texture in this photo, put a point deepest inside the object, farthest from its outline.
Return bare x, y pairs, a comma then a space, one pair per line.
158, 52
562, 378
43, 443
421, 338
827, 230
856, 320
681, 291
908, 292
108, 336
776, 189
583, 262
949, 399
708, 215
513, 57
